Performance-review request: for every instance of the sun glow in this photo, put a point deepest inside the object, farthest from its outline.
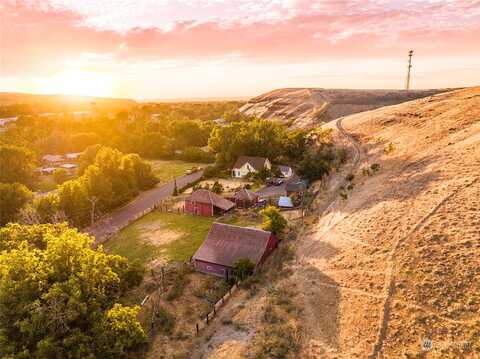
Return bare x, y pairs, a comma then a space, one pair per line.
78, 82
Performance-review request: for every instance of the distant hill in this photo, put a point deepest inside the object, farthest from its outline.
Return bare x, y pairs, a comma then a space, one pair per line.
12, 103
306, 107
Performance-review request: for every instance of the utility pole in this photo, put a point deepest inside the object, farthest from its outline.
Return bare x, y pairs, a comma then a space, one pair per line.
410, 54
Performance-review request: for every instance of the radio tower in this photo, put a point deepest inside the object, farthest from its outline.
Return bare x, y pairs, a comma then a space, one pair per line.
410, 54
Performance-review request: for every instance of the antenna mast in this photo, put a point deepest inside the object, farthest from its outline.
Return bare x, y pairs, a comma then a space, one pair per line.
410, 54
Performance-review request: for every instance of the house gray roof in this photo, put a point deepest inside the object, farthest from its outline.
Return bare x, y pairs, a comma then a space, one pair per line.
205, 196
256, 162
225, 244
298, 186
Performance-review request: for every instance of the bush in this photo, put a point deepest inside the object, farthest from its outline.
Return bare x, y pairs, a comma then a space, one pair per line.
196, 154
243, 268
217, 187
165, 320
211, 171
273, 221
375, 167
390, 148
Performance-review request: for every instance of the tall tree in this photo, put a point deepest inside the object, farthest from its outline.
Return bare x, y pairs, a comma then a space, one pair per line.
59, 297
13, 196
17, 164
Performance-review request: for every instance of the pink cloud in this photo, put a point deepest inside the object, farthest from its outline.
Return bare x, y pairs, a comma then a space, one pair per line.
38, 37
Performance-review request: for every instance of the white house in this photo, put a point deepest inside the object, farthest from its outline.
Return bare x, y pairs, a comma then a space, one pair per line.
248, 164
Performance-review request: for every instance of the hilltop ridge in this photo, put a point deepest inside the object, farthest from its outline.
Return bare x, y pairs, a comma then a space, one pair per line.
307, 107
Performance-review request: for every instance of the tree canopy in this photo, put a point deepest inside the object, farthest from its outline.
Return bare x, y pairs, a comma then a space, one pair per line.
13, 196
59, 297
17, 164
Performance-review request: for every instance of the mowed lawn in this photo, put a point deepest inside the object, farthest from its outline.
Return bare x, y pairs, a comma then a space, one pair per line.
166, 171
169, 236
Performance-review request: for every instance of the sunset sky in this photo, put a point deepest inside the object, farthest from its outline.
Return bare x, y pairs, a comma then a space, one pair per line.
163, 49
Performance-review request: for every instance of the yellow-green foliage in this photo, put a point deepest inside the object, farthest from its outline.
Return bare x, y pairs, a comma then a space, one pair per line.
273, 221
58, 296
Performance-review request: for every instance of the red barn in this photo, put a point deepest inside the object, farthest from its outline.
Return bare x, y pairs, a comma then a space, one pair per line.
225, 244
206, 203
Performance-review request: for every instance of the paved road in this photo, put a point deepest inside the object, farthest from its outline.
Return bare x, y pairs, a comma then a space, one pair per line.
121, 217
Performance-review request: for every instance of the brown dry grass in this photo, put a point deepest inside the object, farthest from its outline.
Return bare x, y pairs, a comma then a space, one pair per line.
406, 239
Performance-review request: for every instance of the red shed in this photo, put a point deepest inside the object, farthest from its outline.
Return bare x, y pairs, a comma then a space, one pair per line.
225, 244
206, 203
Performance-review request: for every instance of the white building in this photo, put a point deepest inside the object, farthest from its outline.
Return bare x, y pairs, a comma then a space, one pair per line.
52, 158
286, 171
248, 164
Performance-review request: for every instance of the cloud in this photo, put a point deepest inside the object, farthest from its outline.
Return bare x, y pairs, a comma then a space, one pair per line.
40, 36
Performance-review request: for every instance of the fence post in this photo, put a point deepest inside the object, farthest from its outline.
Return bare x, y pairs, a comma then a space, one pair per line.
196, 325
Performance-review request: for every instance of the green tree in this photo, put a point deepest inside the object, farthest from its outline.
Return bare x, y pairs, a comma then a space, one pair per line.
88, 157
17, 164
316, 166
47, 207
295, 144
243, 268
59, 297
13, 196
217, 187
273, 220
60, 175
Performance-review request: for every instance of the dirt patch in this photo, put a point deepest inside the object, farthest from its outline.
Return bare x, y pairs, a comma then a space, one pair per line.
157, 234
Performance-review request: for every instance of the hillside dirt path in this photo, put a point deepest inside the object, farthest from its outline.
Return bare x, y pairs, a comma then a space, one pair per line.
311, 250
119, 218
390, 276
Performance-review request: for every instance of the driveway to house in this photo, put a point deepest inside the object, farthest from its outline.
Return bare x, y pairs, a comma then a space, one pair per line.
276, 191
121, 217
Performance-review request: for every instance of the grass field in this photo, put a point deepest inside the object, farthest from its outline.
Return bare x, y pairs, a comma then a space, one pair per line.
167, 170
174, 237
168, 236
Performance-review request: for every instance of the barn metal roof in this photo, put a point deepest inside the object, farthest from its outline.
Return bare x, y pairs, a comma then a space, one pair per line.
225, 244
205, 196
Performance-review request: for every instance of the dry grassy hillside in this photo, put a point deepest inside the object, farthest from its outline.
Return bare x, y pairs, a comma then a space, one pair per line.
397, 262
307, 107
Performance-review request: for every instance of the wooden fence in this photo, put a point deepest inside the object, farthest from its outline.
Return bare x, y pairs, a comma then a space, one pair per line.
199, 326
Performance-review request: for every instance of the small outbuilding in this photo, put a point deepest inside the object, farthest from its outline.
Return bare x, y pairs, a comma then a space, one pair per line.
285, 202
226, 244
206, 203
245, 198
